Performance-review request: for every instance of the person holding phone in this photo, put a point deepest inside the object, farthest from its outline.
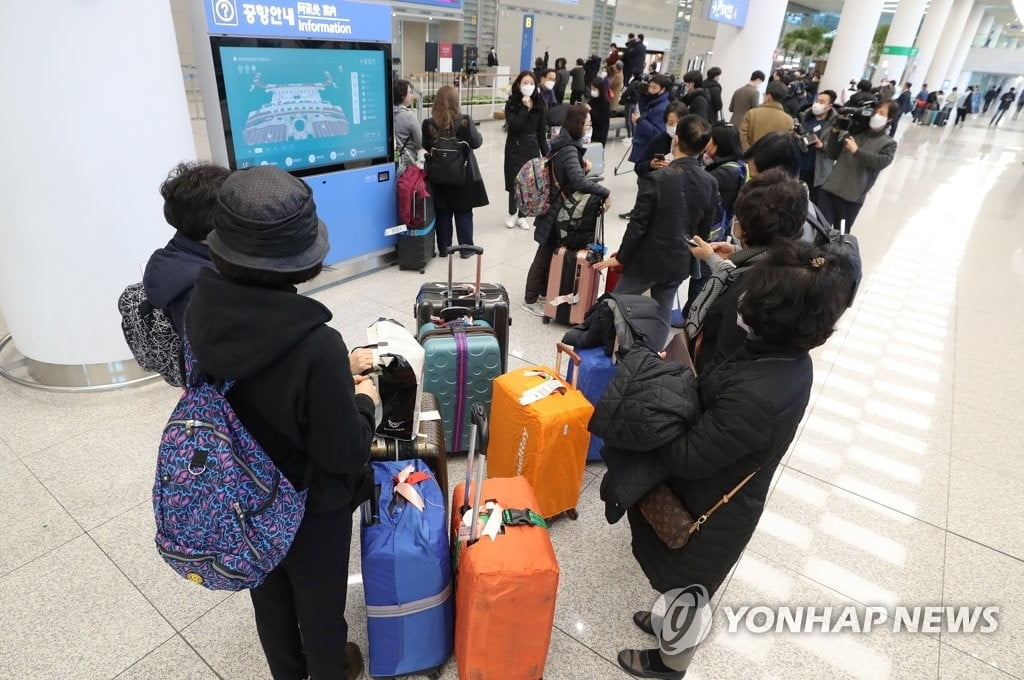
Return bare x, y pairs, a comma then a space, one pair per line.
658, 152
673, 204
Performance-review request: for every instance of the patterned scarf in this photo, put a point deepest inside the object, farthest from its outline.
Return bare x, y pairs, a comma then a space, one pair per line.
730, 271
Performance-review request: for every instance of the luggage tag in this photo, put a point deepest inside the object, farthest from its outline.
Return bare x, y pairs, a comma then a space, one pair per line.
404, 481
538, 392
491, 518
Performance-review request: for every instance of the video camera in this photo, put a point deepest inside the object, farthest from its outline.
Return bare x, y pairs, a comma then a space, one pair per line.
805, 137
853, 119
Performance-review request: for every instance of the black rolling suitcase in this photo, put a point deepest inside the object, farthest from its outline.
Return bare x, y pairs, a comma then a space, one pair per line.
416, 248
492, 307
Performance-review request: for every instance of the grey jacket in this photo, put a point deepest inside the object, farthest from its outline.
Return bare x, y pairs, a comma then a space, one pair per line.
407, 135
855, 173
743, 99
822, 128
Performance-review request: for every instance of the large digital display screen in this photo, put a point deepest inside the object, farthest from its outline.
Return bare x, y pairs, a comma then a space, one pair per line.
732, 12
304, 107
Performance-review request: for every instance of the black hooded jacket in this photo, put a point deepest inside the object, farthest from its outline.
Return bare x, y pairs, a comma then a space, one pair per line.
714, 90
567, 166
699, 103
170, 274
294, 389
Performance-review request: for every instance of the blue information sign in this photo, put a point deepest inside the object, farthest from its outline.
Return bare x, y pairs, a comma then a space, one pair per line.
732, 12
449, 4
337, 20
526, 54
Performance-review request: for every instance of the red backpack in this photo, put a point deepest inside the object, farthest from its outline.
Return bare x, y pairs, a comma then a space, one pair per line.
415, 206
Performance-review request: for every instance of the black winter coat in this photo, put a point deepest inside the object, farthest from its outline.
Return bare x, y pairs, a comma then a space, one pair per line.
730, 179
630, 319
600, 118
672, 205
294, 389
722, 336
714, 90
471, 195
660, 143
752, 405
527, 136
699, 103
171, 273
567, 166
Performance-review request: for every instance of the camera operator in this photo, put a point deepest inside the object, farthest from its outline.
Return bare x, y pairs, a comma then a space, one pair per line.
815, 165
860, 155
863, 96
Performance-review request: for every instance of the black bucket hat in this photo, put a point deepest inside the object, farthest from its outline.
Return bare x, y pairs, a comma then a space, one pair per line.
266, 219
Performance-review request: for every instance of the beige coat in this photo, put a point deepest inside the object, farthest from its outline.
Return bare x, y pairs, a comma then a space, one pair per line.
763, 120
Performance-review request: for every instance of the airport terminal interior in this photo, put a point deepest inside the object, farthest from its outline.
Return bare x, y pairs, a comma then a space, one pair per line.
899, 490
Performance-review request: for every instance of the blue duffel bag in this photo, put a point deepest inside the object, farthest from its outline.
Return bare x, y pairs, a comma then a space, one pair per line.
407, 576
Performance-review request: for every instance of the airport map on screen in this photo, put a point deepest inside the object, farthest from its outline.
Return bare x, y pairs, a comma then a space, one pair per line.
302, 108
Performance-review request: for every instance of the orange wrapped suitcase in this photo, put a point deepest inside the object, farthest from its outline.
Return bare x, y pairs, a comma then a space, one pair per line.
505, 586
546, 440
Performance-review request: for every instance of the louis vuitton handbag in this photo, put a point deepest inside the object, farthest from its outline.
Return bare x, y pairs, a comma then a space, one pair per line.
670, 519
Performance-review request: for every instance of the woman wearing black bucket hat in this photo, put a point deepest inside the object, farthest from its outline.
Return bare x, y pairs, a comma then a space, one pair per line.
296, 394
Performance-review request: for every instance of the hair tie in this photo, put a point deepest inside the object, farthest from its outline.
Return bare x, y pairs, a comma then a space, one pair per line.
817, 262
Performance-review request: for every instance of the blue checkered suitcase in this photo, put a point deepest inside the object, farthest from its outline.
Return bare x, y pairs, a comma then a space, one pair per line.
461, 360
596, 371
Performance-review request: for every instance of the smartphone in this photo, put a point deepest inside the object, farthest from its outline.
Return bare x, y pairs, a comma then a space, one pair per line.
659, 156
693, 244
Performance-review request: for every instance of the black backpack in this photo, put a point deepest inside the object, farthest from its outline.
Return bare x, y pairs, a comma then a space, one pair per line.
447, 164
825, 235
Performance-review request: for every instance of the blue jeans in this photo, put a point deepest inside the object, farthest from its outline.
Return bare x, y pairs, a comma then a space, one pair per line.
662, 293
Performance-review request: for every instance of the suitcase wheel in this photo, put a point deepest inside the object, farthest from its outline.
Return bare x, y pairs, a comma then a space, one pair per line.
423, 271
434, 674
572, 514
546, 319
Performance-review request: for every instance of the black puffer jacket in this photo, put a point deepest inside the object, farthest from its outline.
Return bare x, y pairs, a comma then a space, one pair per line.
672, 204
171, 273
699, 103
527, 136
648, 403
567, 166
752, 405
633, 319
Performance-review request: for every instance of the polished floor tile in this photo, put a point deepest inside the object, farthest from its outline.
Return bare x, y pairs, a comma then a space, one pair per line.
900, 487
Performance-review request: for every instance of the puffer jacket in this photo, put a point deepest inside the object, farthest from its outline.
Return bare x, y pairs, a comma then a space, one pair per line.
567, 166
630, 319
752, 405
171, 273
527, 136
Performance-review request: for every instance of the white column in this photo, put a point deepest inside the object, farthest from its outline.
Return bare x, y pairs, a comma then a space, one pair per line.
948, 42
902, 33
852, 43
983, 30
100, 113
1013, 44
741, 51
928, 40
964, 46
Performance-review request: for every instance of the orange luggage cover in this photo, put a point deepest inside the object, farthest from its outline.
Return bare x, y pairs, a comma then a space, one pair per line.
505, 592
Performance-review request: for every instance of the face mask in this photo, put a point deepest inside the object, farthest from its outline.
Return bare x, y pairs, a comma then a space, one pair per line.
549, 84
603, 74
594, 94
586, 138
670, 130
527, 90
818, 109
878, 121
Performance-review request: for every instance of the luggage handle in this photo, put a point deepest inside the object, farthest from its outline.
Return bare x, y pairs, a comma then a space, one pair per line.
449, 314
452, 250
478, 428
478, 431
560, 349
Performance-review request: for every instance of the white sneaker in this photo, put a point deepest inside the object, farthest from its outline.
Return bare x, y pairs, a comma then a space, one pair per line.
535, 308
523, 224
510, 222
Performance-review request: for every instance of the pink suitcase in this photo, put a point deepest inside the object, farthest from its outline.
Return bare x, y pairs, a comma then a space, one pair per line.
572, 286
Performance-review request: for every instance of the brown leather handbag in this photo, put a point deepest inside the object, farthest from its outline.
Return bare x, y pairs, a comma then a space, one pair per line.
670, 519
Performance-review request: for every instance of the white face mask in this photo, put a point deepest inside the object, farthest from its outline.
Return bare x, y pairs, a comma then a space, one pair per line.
594, 94
527, 90
550, 84
878, 121
670, 130
586, 138
602, 74
818, 108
